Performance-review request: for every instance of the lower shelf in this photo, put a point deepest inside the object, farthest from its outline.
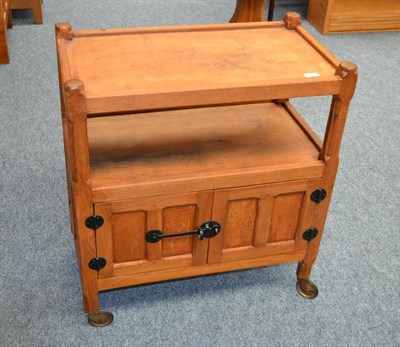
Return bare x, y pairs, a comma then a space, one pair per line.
176, 151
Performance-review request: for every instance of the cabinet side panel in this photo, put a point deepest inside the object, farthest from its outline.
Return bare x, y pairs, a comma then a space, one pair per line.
240, 223
128, 236
178, 219
285, 217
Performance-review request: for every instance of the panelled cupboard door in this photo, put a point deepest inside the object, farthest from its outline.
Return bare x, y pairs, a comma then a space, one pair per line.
121, 240
264, 220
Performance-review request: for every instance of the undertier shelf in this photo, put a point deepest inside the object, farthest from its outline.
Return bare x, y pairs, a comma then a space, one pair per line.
198, 149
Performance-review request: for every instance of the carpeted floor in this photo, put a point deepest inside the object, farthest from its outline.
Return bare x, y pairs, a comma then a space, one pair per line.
358, 268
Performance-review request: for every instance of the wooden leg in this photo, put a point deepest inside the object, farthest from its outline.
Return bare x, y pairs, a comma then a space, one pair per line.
304, 286
34, 5
37, 11
76, 137
90, 299
330, 154
271, 10
96, 317
249, 11
4, 57
9, 16
304, 270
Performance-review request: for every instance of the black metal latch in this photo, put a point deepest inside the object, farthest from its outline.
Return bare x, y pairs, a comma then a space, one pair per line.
206, 230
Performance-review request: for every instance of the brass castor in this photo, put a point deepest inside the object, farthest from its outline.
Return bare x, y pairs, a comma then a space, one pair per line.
307, 289
100, 319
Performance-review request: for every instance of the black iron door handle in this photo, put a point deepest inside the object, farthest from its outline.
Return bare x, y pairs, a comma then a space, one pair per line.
206, 230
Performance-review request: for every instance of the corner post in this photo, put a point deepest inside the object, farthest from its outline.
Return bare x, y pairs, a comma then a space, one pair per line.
78, 167
339, 109
63, 30
330, 155
292, 20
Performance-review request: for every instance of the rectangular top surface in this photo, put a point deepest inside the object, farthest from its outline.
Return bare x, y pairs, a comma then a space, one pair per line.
145, 61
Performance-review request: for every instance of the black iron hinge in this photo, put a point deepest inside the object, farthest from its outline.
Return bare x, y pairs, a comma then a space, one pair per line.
94, 222
97, 263
318, 195
310, 234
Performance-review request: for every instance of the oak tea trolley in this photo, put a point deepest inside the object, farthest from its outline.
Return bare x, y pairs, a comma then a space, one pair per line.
184, 155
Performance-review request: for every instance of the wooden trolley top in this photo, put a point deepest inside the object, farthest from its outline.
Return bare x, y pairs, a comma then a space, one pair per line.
169, 67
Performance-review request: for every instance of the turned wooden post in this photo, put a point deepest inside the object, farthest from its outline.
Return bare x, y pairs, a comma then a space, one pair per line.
79, 173
330, 155
74, 115
82, 212
64, 30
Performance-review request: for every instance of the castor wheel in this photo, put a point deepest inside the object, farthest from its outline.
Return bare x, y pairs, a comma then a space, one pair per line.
100, 319
307, 289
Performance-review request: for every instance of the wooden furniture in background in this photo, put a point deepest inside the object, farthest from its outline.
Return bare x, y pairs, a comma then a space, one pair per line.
246, 11
252, 11
339, 16
175, 129
5, 23
34, 5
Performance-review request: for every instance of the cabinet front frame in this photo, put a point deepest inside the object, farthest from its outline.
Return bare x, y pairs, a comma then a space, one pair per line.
211, 205
265, 196
153, 208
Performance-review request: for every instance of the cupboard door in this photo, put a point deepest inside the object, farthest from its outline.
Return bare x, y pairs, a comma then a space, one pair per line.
121, 240
259, 221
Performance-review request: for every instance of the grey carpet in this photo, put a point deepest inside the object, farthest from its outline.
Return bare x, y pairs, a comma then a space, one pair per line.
358, 267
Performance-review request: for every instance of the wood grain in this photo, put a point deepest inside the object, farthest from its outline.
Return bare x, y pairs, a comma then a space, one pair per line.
128, 232
104, 239
178, 219
330, 153
285, 218
248, 231
193, 70
132, 157
78, 154
121, 240
340, 16
240, 218
5, 22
